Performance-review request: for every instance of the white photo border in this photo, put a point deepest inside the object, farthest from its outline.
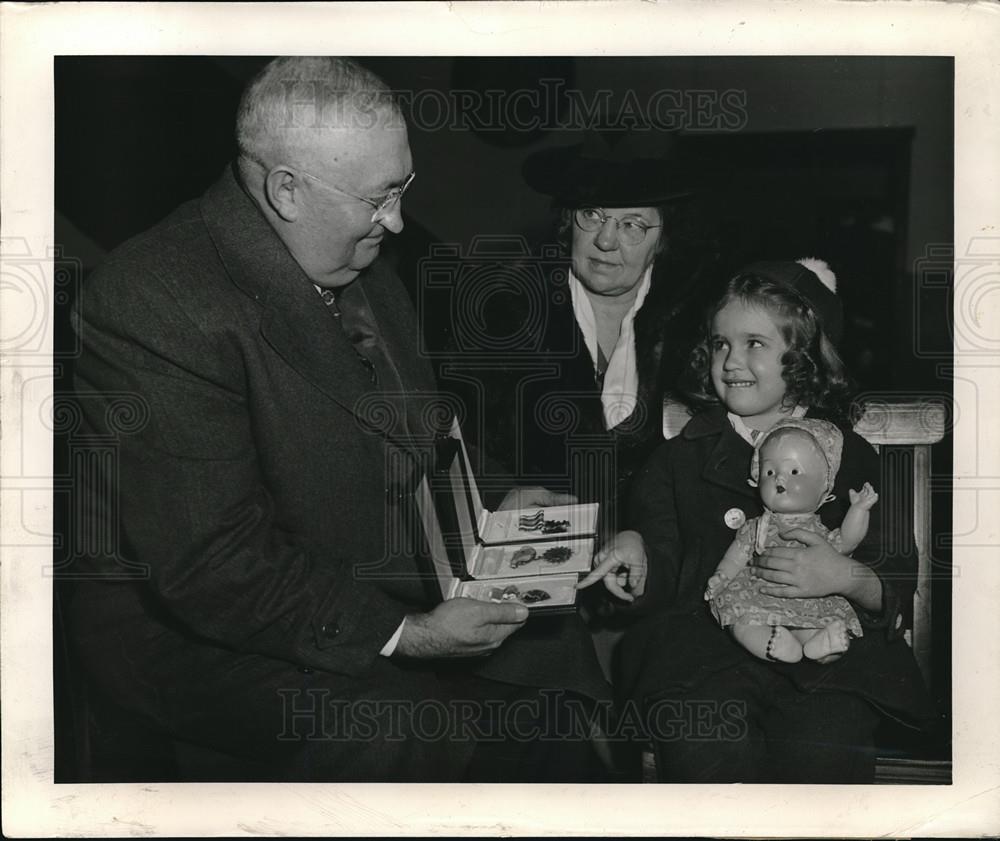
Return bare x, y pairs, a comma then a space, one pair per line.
30, 36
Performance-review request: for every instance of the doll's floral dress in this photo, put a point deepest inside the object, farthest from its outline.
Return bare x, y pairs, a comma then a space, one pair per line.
741, 600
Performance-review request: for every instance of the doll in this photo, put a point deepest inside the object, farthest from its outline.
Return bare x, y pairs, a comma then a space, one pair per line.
794, 466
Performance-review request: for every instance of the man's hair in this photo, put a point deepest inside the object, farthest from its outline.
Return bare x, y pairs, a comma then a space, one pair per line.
815, 376
293, 98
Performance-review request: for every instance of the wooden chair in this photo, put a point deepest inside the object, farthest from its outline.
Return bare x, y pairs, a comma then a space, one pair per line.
916, 427
903, 434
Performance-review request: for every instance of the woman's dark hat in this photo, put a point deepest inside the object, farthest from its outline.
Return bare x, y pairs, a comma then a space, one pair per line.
612, 168
814, 282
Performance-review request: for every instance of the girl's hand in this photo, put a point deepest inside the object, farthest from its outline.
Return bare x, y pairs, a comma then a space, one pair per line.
621, 562
811, 571
716, 584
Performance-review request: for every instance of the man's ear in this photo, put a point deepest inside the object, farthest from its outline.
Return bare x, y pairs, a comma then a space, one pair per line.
752, 483
282, 192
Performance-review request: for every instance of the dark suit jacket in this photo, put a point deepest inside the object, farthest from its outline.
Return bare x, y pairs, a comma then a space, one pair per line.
678, 504
262, 483
255, 490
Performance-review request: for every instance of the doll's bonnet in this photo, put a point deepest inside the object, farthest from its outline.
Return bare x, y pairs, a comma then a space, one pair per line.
828, 438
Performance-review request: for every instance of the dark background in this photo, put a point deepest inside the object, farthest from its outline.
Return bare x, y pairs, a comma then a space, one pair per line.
850, 159
846, 158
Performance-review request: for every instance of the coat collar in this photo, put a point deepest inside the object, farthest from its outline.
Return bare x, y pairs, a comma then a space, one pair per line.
251, 252
728, 462
728, 459
706, 423
294, 320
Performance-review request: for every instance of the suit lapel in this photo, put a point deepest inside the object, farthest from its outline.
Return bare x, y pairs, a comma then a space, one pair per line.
302, 331
294, 320
397, 324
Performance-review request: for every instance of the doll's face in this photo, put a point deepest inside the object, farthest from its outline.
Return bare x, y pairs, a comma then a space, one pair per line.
792, 476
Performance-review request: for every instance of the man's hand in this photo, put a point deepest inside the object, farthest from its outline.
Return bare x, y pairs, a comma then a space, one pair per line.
621, 563
460, 628
534, 497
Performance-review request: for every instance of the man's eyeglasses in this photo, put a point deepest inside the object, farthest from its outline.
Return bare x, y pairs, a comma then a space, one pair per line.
630, 231
382, 205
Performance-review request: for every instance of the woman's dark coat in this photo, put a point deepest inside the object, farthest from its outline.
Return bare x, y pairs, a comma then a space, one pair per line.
539, 398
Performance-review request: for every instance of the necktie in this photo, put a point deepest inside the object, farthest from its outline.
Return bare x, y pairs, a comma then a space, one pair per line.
357, 324
349, 306
402, 471
330, 299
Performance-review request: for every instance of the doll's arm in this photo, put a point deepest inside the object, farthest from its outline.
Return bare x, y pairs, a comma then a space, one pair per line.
855, 525
894, 569
732, 562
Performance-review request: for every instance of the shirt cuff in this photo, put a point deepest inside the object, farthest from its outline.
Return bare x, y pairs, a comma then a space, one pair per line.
390, 646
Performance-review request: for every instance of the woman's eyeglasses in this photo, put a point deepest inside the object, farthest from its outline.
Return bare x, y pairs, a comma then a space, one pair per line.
630, 231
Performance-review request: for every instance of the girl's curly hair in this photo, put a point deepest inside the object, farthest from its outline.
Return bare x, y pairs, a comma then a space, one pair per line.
814, 373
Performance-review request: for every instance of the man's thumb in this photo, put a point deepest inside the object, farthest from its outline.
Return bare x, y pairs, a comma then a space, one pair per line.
507, 614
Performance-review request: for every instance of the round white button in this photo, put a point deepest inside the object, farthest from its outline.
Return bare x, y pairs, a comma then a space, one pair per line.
735, 518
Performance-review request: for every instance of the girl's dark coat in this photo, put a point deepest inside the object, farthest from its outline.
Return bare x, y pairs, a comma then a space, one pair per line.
678, 503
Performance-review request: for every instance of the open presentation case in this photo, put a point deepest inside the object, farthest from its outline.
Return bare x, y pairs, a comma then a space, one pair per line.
532, 556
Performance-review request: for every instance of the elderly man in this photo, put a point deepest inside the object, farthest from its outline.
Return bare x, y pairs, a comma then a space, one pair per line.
261, 494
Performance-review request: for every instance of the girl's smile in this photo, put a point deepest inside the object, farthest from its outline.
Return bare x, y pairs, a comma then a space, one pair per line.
747, 351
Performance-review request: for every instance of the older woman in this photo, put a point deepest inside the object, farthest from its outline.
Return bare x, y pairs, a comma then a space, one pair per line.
584, 350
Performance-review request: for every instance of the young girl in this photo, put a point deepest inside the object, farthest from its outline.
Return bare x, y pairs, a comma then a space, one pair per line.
715, 712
